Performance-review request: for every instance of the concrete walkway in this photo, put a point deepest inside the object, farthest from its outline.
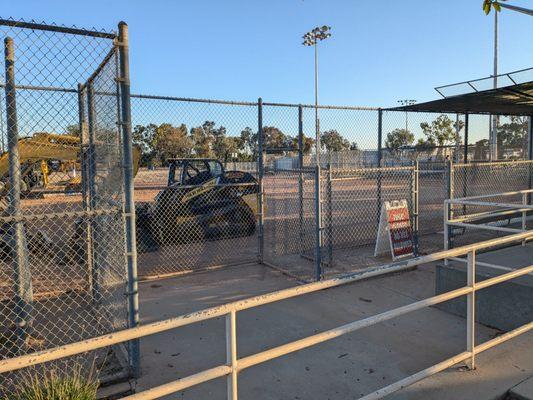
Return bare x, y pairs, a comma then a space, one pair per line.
344, 368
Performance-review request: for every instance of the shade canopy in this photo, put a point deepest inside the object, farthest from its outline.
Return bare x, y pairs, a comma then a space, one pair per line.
509, 100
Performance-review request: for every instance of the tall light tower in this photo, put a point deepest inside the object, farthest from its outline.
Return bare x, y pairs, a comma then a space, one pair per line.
495, 119
312, 38
488, 5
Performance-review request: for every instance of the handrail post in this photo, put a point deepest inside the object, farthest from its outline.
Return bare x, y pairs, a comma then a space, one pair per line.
231, 354
471, 308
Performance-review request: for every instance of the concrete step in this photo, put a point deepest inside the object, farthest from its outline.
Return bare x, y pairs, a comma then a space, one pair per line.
522, 391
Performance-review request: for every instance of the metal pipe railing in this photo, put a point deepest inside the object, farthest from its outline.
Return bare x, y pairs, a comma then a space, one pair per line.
503, 210
234, 364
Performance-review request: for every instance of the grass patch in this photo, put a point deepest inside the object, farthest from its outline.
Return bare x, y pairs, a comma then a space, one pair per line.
54, 386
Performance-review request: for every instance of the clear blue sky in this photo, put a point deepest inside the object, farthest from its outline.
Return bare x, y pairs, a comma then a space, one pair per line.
380, 51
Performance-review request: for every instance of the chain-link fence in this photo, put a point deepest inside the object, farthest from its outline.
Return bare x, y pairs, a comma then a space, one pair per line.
63, 274
352, 203
196, 205
217, 183
478, 179
174, 240
335, 219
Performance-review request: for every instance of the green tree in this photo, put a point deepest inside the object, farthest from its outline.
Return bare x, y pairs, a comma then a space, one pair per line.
334, 141
307, 143
143, 136
73, 130
220, 143
172, 142
274, 138
442, 131
202, 138
513, 134
398, 139
248, 143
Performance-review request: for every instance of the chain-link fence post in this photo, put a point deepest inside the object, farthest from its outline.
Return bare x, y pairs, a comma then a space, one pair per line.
21, 269
318, 223
129, 205
415, 195
261, 172
379, 161
449, 211
465, 153
530, 155
87, 255
329, 219
300, 177
91, 171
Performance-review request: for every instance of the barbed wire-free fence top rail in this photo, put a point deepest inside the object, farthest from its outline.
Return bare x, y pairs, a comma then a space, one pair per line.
234, 365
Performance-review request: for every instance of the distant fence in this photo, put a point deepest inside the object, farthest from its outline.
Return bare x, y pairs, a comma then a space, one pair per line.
310, 234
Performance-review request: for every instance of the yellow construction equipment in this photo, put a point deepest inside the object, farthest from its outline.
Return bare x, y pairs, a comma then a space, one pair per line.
36, 151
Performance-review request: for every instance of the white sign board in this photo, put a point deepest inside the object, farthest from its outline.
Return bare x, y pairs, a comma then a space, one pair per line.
395, 233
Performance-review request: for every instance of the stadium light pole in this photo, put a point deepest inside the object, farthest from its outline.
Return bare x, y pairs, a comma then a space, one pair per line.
498, 5
312, 38
495, 120
406, 102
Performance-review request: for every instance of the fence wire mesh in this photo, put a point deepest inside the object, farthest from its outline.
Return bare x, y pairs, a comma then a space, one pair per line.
194, 215
290, 222
478, 179
197, 187
62, 257
352, 205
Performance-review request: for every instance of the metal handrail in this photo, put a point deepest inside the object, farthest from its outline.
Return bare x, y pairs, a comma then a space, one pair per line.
464, 200
492, 163
234, 364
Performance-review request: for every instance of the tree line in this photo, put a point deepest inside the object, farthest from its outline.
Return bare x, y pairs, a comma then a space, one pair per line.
162, 142
443, 132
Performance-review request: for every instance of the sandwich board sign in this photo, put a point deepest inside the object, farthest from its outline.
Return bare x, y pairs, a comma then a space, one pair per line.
395, 232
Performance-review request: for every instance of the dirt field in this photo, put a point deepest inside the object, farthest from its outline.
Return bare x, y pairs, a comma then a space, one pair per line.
351, 221
350, 228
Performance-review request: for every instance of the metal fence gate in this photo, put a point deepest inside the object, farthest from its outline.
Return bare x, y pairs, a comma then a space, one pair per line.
67, 267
